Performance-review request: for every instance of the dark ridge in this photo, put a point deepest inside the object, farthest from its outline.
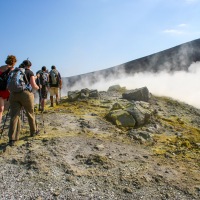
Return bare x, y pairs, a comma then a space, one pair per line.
174, 59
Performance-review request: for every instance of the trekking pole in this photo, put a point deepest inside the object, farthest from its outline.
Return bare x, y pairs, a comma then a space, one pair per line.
38, 83
36, 124
22, 116
5, 122
40, 97
39, 104
42, 113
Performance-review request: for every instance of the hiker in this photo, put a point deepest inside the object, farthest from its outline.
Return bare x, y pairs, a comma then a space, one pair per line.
22, 96
55, 82
43, 83
4, 93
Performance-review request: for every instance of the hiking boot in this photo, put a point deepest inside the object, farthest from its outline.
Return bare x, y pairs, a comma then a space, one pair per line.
41, 109
51, 105
11, 143
56, 102
36, 133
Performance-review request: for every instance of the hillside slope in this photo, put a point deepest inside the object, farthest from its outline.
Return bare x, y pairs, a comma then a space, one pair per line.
173, 59
84, 156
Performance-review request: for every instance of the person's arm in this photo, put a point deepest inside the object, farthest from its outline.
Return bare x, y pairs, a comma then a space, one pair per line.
33, 83
60, 83
49, 79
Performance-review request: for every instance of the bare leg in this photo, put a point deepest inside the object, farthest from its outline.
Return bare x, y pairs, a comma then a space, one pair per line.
56, 99
42, 103
51, 98
1, 108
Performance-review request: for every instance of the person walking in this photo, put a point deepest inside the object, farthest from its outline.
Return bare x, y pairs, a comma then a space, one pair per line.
55, 82
43, 83
24, 99
4, 93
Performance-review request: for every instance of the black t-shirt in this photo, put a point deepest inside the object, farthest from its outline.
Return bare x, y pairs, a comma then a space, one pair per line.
29, 73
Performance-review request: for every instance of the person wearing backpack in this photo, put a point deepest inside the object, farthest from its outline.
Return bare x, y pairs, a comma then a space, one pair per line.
55, 82
4, 74
43, 83
20, 83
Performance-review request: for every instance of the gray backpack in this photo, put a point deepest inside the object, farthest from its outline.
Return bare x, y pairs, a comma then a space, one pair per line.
54, 77
16, 81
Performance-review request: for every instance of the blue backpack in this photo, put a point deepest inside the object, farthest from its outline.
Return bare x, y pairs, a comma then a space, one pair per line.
17, 81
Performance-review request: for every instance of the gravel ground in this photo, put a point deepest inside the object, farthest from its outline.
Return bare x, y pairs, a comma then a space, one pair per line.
83, 156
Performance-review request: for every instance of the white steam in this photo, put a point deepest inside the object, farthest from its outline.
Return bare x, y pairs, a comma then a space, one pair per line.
180, 85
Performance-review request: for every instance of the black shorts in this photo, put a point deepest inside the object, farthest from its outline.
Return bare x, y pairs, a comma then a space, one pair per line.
44, 92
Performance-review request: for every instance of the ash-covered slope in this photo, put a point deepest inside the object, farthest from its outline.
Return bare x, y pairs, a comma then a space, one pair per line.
83, 156
174, 59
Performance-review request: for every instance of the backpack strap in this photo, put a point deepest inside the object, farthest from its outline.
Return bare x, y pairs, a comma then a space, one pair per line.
29, 87
7, 71
25, 77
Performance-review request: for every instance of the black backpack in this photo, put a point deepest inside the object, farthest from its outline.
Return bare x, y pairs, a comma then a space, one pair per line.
3, 79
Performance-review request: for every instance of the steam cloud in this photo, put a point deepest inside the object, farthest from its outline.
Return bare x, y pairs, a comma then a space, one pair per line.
180, 85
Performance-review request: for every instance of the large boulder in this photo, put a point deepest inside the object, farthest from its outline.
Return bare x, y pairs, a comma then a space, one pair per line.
121, 118
141, 94
94, 94
73, 95
140, 111
116, 88
82, 94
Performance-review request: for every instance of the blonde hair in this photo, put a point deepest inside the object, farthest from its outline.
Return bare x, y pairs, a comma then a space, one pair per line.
11, 60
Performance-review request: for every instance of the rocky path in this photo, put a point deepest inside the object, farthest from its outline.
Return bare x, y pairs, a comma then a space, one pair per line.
83, 156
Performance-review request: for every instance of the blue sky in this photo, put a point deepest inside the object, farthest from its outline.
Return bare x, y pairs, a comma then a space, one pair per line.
80, 36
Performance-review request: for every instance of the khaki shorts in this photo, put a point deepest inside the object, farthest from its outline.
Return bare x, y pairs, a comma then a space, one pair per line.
54, 91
